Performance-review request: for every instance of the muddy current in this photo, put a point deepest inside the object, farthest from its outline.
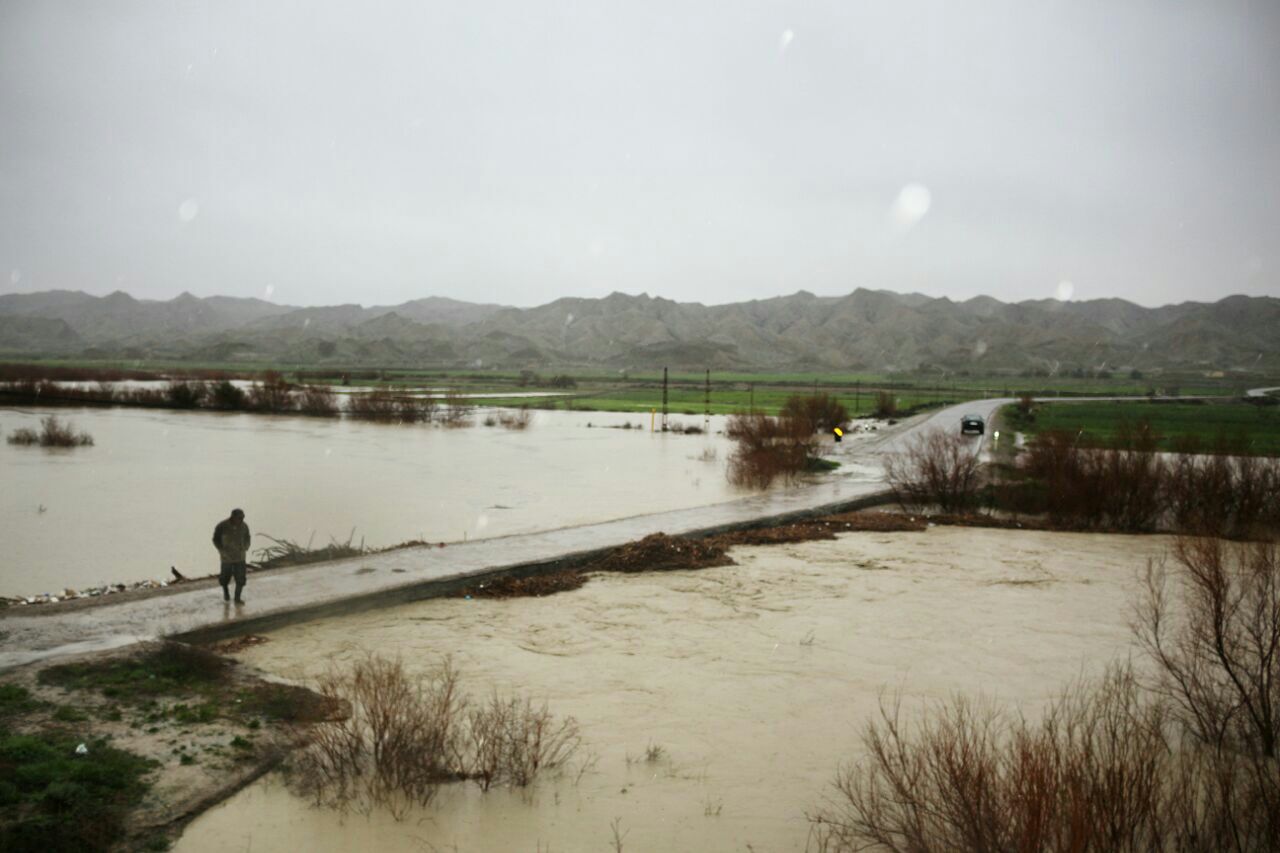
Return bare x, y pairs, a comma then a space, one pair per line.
754, 681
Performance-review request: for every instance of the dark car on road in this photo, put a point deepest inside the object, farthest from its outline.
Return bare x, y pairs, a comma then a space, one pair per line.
972, 424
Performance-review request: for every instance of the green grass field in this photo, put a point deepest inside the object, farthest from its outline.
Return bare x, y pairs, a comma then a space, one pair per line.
731, 391
1098, 423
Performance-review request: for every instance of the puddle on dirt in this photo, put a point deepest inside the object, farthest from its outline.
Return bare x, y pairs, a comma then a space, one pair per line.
755, 680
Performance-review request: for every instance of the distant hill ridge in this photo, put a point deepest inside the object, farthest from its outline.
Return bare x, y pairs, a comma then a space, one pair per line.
866, 329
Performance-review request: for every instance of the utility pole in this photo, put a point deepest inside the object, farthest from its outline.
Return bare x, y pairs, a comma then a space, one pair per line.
857, 392
706, 417
751, 404
664, 399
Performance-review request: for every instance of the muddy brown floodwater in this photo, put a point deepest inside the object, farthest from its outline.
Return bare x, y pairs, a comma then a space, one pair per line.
147, 495
755, 680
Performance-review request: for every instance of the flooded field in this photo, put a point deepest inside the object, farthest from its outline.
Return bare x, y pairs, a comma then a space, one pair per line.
754, 680
147, 495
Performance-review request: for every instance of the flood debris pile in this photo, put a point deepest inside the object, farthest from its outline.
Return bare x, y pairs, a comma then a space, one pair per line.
534, 586
660, 552
286, 552
825, 527
70, 594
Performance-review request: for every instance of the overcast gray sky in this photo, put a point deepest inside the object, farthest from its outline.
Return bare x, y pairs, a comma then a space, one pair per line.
319, 152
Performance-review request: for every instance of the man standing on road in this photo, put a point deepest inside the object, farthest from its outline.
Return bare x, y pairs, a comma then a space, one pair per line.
231, 538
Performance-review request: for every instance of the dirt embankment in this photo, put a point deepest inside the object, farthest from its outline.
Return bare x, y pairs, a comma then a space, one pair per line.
203, 725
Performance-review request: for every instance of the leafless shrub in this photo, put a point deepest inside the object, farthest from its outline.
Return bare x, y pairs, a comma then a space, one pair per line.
886, 405
1225, 493
272, 395
184, 394
936, 468
767, 448
53, 433
618, 834
406, 735
511, 740
1187, 762
318, 401
458, 412
1119, 487
1129, 486
225, 395
386, 406
1218, 653
516, 420
400, 742
415, 409
818, 412
1105, 769
378, 405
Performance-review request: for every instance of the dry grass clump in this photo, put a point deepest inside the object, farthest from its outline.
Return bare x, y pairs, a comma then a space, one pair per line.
53, 433
286, 552
406, 735
937, 468
660, 552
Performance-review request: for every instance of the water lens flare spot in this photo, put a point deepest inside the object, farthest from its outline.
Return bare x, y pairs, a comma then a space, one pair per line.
784, 41
1065, 291
911, 205
15, 276
188, 210
268, 290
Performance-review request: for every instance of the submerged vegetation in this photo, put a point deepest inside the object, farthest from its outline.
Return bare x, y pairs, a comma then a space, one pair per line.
52, 433
407, 734
1185, 760
1126, 486
769, 448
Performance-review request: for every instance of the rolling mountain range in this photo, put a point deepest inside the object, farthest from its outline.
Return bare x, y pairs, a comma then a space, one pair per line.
867, 329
